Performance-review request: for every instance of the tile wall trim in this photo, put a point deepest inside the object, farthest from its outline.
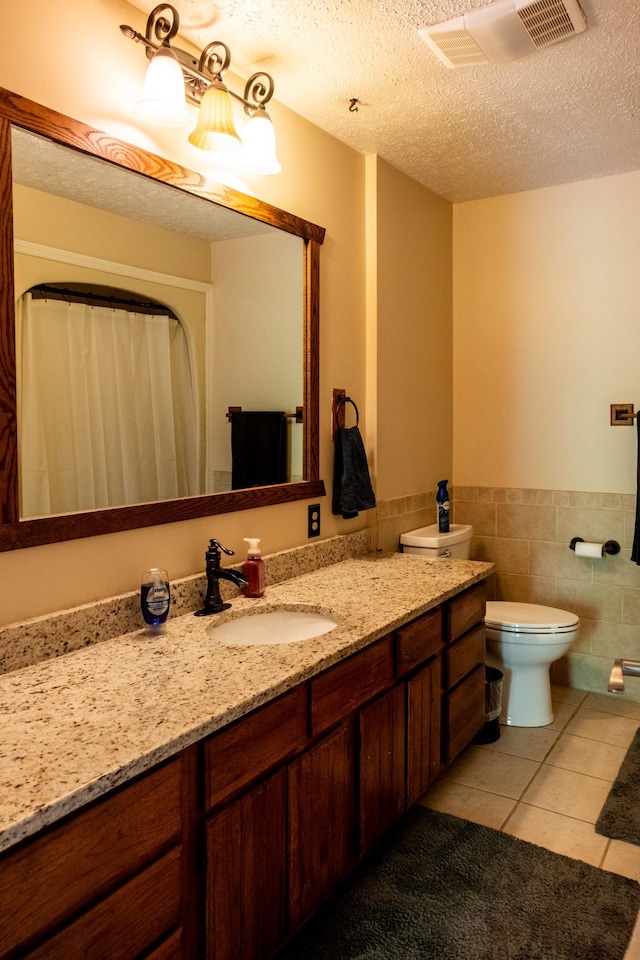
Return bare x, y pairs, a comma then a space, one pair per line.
526, 533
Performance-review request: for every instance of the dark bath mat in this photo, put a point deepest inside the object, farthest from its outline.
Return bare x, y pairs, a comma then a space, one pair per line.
442, 888
620, 816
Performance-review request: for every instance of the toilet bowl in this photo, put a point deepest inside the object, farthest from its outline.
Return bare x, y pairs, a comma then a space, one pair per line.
523, 640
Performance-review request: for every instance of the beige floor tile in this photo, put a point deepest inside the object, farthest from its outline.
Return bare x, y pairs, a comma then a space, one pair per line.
533, 743
623, 858
567, 694
605, 727
470, 804
612, 703
596, 759
572, 838
562, 714
492, 772
563, 791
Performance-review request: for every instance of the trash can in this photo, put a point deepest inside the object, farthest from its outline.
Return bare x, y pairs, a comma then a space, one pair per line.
490, 732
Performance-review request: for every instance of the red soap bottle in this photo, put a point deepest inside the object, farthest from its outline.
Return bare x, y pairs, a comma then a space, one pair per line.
253, 569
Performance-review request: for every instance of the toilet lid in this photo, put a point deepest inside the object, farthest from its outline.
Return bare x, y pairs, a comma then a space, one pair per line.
528, 618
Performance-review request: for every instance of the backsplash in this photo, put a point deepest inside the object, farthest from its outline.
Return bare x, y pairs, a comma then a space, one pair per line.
526, 533
29, 642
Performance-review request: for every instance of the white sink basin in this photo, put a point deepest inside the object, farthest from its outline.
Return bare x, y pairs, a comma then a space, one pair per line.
277, 626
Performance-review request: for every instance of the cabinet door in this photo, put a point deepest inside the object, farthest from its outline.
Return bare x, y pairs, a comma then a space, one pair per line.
381, 766
246, 874
465, 713
424, 722
322, 809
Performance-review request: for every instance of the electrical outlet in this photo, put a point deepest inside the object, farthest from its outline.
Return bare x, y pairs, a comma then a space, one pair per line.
313, 520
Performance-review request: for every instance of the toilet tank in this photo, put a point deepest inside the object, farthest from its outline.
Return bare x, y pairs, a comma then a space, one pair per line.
430, 543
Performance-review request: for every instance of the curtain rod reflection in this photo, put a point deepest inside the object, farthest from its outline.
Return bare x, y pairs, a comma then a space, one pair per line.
298, 416
97, 296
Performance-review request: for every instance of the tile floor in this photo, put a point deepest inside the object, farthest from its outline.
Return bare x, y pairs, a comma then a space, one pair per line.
547, 785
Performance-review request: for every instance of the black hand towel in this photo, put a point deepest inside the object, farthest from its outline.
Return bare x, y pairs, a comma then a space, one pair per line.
352, 489
635, 553
258, 448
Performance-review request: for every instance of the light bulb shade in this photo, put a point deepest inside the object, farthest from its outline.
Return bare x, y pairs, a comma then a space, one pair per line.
215, 129
163, 101
259, 145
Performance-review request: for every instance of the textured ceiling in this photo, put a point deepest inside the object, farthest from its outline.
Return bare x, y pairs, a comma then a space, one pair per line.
45, 165
564, 113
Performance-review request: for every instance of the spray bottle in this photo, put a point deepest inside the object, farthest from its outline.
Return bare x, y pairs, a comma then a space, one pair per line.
253, 569
442, 500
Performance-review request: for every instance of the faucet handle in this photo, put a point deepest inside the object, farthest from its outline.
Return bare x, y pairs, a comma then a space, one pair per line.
217, 546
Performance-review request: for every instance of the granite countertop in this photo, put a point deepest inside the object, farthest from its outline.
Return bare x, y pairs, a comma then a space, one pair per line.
76, 726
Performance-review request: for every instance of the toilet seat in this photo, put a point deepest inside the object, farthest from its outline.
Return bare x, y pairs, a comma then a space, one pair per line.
528, 618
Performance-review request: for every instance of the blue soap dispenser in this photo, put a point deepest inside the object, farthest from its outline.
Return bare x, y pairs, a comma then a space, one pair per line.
155, 599
442, 500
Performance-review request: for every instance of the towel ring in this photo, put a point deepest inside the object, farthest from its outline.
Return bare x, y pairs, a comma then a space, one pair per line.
339, 401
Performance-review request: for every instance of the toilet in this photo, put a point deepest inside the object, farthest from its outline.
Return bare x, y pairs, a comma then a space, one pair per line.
430, 543
523, 640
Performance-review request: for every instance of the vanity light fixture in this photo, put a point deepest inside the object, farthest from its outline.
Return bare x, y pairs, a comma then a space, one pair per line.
175, 77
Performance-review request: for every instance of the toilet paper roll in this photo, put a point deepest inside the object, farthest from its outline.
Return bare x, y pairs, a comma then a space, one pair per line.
593, 550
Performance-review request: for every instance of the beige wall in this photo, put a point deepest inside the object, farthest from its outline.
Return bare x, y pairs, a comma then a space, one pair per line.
257, 335
409, 238
88, 70
546, 336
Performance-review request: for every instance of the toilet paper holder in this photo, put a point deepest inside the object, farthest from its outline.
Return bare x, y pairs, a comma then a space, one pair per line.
610, 546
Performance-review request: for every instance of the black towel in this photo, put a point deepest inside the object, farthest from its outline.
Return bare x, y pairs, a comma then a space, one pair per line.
258, 449
352, 489
635, 553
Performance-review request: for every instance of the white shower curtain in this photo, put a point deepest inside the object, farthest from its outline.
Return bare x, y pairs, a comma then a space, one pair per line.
107, 410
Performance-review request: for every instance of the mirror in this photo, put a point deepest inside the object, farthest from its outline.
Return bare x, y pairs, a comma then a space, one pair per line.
237, 272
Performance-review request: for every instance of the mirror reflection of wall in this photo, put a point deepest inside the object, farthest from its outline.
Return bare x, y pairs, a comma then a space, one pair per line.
244, 333
257, 342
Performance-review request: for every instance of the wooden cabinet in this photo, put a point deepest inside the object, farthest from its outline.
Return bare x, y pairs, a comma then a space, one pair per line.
464, 670
255, 744
424, 729
246, 874
381, 766
339, 691
240, 838
322, 821
109, 882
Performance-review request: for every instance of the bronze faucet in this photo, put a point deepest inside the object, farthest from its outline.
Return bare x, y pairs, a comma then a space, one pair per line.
213, 602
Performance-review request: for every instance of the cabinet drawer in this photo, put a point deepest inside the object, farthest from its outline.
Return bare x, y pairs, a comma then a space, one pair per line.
466, 610
339, 691
418, 641
146, 907
465, 654
253, 745
64, 869
465, 713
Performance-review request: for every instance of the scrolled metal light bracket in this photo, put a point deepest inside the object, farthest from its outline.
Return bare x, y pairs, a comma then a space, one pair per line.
162, 26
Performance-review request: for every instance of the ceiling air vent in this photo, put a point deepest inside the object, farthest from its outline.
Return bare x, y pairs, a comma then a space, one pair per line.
504, 30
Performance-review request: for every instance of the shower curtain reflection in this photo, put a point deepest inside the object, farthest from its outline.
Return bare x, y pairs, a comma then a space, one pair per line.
107, 409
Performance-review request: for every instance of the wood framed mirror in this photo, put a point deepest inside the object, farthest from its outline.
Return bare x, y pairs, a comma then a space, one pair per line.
204, 200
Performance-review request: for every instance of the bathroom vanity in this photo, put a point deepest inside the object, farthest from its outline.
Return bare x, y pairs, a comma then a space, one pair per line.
212, 797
